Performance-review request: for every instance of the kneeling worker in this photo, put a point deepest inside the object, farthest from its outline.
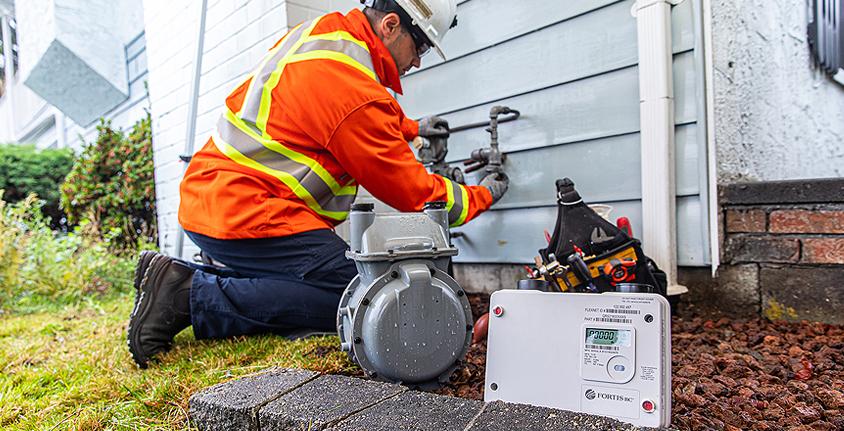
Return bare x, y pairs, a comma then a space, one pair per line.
311, 123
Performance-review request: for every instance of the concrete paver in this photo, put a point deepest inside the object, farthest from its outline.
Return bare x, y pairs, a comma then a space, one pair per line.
233, 405
323, 402
416, 411
501, 416
290, 399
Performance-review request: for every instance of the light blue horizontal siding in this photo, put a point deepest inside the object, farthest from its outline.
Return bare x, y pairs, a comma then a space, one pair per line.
601, 106
571, 69
588, 45
514, 236
522, 17
605, 170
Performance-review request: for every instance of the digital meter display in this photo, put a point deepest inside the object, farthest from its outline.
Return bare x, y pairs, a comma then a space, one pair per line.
608, 337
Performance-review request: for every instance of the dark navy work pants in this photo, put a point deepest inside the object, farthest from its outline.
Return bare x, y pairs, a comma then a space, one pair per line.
270, 285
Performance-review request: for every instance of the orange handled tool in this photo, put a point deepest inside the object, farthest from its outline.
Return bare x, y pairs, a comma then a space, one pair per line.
620, 270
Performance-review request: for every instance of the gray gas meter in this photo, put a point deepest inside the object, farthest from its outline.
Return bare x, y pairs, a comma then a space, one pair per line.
403, 318
607, 354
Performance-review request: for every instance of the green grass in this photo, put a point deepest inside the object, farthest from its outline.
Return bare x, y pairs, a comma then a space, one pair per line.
65, 301
66, 366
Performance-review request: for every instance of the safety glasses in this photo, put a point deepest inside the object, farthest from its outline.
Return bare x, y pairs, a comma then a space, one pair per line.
423, 47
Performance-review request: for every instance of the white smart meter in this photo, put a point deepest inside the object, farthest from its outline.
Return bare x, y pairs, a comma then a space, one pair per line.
607, 354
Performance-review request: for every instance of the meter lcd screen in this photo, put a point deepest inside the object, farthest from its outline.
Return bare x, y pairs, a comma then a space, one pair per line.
608, 337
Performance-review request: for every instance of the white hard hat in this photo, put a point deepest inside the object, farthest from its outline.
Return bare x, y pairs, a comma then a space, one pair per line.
433, 17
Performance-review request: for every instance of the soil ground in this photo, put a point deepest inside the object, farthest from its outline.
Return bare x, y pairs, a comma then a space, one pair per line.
731, 374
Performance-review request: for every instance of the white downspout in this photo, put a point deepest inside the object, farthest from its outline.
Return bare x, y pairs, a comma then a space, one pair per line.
711, 162
9, 76
656, 96
190, 129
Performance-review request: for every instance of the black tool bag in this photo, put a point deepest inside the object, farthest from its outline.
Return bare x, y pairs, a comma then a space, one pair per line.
601, 243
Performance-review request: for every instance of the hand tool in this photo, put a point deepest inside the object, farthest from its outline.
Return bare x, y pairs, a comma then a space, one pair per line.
578, 266
620, 270
623, 223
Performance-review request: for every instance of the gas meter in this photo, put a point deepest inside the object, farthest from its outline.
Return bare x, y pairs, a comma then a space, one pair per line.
403, 319
606, 354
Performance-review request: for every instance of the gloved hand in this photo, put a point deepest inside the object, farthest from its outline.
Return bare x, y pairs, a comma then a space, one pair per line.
433, 127
497, 184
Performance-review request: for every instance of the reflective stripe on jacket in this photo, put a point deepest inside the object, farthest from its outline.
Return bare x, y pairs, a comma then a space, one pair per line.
305, 128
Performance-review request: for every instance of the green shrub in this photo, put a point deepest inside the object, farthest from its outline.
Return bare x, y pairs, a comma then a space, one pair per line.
25, 170
40, 266
111, 189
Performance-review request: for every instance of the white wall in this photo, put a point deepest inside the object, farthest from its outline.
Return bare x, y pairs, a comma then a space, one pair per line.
776, 116
27, 118
238, 33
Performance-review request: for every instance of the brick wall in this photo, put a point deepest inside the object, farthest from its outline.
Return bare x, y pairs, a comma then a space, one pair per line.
783, 250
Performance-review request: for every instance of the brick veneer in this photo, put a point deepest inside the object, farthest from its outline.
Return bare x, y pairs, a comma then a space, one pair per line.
785, 240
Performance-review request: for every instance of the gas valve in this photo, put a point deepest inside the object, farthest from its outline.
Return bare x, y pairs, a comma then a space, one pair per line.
403, 319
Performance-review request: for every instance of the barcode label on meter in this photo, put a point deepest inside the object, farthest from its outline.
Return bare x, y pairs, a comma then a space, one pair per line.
620, 311
611, 348
609, 320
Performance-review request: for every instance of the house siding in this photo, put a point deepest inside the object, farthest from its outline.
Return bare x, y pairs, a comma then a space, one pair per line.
571, 69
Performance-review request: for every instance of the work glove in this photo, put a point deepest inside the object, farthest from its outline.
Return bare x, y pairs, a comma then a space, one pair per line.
433, 127
497, 184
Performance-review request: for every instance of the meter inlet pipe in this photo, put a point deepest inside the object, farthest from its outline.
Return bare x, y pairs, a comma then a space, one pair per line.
190, 129
656, 98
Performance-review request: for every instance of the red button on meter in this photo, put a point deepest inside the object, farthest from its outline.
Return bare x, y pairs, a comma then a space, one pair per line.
648, 406
497, 311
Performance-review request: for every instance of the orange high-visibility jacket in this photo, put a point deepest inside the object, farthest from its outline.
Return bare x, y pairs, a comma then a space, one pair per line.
310, 124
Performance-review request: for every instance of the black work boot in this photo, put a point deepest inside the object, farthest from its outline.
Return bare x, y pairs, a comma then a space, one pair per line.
143, 262
162, 308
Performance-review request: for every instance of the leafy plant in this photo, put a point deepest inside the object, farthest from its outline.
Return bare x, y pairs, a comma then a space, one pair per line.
25, 170
111, 188
39, 266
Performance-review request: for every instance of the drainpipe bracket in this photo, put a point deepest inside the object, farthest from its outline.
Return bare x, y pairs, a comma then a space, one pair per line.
642, 4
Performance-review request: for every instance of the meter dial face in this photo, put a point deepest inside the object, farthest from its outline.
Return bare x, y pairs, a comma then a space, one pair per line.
608, 337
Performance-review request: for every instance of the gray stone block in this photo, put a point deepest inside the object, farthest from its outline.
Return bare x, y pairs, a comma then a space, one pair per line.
797, 293
734, 290
414, 411
323, 402
234, 405
826, 190
501, 416
758, 249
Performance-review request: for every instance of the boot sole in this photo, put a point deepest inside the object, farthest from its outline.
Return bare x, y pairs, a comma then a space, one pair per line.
144, 299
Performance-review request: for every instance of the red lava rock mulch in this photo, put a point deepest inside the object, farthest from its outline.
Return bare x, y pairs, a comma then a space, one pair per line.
732, 374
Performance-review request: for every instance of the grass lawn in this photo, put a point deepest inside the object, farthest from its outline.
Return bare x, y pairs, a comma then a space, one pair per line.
66, 366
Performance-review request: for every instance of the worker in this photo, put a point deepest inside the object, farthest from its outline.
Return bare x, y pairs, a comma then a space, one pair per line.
313, 122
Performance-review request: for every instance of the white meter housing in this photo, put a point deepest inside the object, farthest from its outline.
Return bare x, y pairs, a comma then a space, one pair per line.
607, 354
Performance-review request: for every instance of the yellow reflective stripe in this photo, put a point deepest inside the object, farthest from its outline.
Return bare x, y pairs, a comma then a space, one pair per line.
337, 35
465, 212
286, 178
266, 95
278, 147
332, 55
254, 76
449, 190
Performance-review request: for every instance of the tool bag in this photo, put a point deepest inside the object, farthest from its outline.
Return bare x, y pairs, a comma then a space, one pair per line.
611, 256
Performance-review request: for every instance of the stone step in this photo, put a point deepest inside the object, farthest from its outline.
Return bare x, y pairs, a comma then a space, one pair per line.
292, 399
